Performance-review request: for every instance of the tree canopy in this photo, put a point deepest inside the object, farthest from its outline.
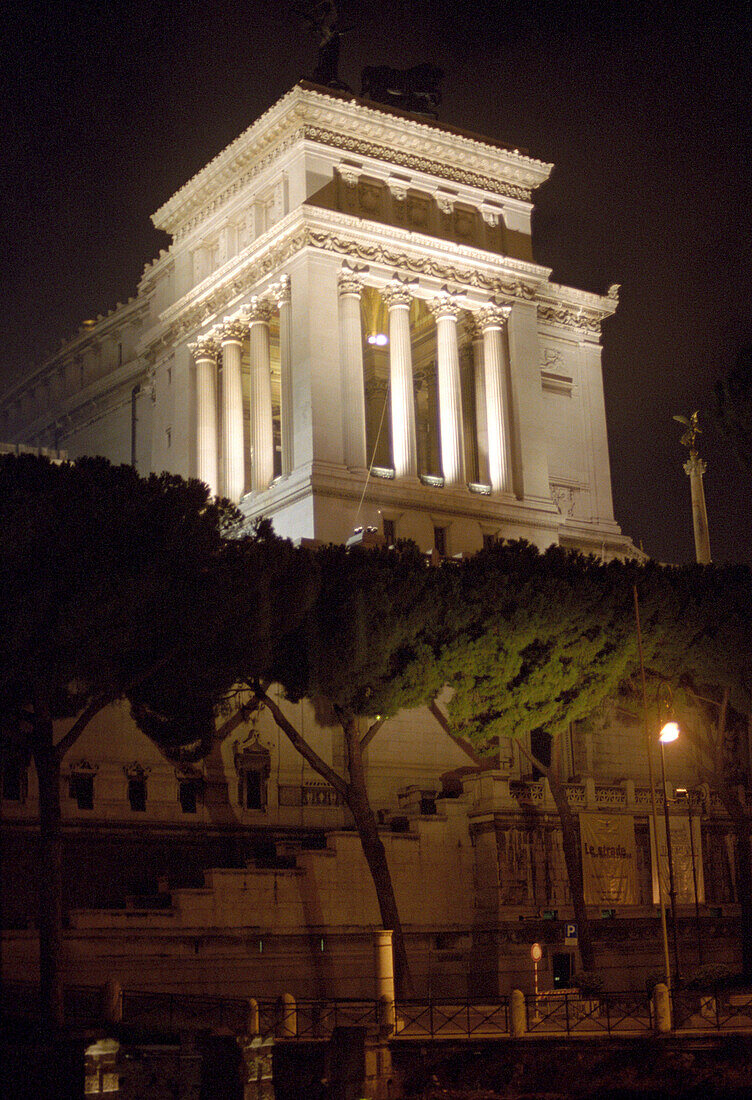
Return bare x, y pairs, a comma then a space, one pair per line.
733, 407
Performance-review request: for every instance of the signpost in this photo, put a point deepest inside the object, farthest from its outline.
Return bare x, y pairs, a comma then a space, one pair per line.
570, 935
536, 954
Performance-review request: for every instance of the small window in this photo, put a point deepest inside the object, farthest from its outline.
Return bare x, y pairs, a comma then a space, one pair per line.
439, 541
188, 791
561, 964
137, 795
252, 790
81, 787
14, 780
389, 532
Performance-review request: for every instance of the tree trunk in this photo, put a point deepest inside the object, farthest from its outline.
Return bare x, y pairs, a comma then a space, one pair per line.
373, 850
50, 876
574, 869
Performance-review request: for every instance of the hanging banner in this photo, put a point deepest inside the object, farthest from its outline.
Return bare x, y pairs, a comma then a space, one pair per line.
686, 853
609, 859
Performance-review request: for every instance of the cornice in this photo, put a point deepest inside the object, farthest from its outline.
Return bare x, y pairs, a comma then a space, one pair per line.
576, 309
385, 247
308, 114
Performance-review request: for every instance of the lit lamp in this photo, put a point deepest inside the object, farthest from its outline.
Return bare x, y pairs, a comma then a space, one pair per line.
669, 732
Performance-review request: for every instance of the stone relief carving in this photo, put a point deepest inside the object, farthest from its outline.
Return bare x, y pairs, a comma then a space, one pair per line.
563, 498
563, 315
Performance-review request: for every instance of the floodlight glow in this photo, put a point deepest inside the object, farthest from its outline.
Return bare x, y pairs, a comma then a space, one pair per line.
380, 339
670, 732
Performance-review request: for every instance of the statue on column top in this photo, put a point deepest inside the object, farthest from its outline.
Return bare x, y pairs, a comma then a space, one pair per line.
323, 17
689, 438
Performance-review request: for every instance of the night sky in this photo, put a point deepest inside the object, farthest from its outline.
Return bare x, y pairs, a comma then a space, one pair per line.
644, 109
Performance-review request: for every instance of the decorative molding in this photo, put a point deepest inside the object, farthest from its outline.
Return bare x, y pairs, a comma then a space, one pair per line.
232, 332
259, 311
563, 498
494, 316
396, 295
444, 305
206, 347
584, 320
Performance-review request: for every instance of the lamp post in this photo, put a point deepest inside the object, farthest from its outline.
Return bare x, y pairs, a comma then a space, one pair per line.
669, 732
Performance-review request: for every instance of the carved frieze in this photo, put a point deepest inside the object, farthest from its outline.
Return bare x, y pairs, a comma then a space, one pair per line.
582, 319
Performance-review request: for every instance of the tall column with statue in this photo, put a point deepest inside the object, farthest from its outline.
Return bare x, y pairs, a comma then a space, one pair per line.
694, 468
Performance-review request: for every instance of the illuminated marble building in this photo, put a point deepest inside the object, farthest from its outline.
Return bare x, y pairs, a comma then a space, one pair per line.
348, 329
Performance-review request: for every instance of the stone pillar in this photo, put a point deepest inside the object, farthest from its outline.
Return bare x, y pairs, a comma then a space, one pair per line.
481, 417
404, 447
233, 458
285, 376
384, 965
262, 434
496, 375
446, 313
662, 1008
205, 355
694, 468
517, 1014
351, 367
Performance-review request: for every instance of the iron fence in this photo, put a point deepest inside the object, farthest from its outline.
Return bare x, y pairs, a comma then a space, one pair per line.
552, 1014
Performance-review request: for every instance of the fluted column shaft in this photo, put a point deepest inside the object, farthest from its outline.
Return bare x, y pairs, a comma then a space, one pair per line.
351, 367
450, 394
205, 356
404, 446
262, 433
495, 369
481, 416
285, 377
233, 459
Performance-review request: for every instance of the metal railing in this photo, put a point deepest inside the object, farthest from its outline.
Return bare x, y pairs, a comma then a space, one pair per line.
552, 1014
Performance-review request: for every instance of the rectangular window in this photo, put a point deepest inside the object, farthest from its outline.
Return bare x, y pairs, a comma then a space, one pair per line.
252, 790
389, 532
188, 795
137, 795
81, 787
439, 541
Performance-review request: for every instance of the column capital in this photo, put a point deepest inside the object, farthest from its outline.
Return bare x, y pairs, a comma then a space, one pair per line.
444, 306
396, 296
493, 316
258, 311
349, 283
206, 347
233, 332
695, 465
281, 291
472, 326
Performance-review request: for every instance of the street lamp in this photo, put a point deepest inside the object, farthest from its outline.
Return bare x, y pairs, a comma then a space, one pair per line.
669, 732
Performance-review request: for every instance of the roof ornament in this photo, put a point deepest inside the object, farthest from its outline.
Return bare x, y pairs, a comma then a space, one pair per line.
323, 17
417, 90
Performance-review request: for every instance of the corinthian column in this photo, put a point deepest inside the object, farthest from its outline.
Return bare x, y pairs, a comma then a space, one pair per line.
232, 336
285, 375
496, 369
404, 449
351, 366
205, 356
479, 386
446, 313
262, 433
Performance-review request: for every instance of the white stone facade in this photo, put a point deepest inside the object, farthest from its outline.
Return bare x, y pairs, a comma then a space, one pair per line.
347, 290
